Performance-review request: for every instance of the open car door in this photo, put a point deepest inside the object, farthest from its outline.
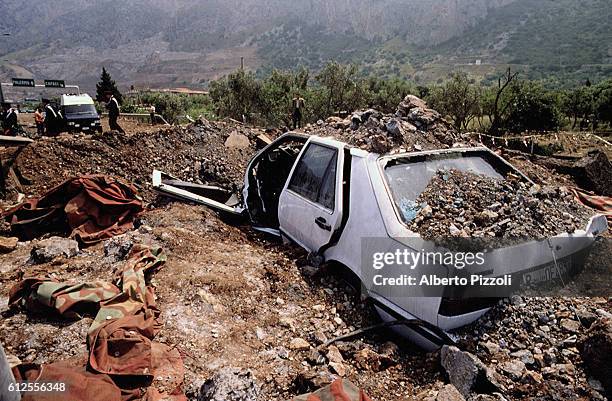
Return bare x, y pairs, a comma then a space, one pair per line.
211, 196
310, 205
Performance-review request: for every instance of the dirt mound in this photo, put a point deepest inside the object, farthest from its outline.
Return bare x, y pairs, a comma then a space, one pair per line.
198, 153
459, 204
413, 127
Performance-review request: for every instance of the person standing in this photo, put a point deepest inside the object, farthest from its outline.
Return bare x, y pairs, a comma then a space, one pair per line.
52, 120
152, 114
298, 106
9, 120
39, 119
112, 105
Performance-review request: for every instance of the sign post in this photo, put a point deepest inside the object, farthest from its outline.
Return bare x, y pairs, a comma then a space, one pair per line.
23, 82
55, 83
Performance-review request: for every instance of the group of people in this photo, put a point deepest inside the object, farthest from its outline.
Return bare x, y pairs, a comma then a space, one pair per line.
9, 119
49, 120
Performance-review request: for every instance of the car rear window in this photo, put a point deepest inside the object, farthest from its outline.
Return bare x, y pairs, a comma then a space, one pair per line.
408, 179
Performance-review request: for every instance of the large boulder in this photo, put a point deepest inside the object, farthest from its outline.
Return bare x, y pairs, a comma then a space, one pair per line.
466, 372
594, 172
596, 350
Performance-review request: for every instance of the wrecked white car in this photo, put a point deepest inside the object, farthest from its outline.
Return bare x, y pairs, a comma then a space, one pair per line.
330, 198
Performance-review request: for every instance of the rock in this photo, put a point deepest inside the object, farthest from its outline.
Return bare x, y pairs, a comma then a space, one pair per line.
117, 248
564, 372
339, 368
594, 172
8, 244
524, 356
488, 397
282, 352
48, 249
465, 371
411, 102
230, 384
333, 354
532, 378
491, 347
369, 359
586, 317
320, 337
449, 393
513, 369
310, 379
236, 140
299, 344
570, 325
596, 350
389, 349
394, 128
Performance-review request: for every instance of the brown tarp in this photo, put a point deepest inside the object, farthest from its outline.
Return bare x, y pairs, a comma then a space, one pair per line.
79, 383
90, 208
339, 390
120, 339
602, 204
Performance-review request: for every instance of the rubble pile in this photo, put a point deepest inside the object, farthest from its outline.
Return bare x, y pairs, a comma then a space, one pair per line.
462, 204
534, 347
204, 152
413, 127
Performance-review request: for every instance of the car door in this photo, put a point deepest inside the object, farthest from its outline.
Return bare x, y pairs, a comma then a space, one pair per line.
310, 203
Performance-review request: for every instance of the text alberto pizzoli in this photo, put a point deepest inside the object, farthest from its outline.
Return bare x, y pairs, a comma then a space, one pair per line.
411, 260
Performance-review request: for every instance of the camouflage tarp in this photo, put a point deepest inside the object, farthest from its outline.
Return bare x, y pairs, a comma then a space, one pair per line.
339, 390
120, 339
89, 208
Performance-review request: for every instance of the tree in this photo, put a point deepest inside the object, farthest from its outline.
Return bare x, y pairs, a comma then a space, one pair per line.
577, 103
238, 95
532, 108
107, 84
498, 110
457, 98
603, 101
340, 84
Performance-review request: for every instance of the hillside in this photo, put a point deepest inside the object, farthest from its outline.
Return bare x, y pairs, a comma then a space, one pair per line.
564, 38
188, 42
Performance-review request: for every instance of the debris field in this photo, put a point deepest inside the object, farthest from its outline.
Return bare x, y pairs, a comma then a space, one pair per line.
249, 316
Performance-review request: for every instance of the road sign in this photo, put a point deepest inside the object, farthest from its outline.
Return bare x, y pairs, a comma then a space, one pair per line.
23, 82
55, 83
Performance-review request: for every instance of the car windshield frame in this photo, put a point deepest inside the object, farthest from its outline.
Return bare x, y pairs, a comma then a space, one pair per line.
501, 167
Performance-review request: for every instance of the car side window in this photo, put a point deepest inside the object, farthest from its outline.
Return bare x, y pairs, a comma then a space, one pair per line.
315, 175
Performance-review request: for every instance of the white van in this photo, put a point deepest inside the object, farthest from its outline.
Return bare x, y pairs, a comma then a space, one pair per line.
80, 114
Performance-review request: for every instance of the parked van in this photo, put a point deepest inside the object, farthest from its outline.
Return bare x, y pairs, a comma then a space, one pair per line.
79, 113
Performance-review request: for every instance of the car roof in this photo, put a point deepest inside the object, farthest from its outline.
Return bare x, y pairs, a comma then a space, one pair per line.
70, 100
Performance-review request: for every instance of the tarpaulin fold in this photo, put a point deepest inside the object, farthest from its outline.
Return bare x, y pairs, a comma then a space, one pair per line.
90, 208
339, 390
602, 204
120, 339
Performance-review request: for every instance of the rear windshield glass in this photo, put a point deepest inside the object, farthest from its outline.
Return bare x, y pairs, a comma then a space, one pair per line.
408, 179
80, 109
